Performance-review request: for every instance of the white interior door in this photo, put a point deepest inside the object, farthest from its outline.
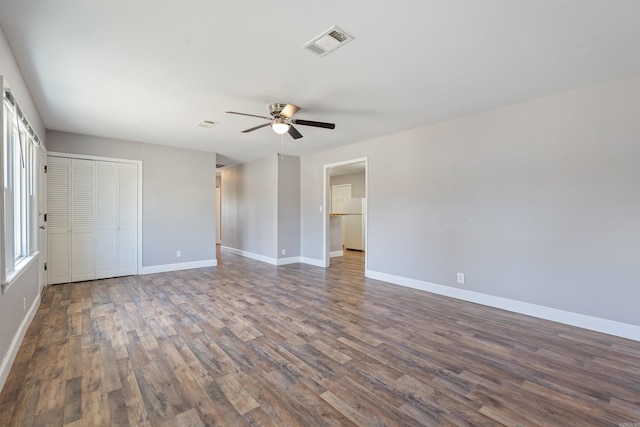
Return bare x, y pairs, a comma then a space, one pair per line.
58, 220
82, 220
127, 219
106, 219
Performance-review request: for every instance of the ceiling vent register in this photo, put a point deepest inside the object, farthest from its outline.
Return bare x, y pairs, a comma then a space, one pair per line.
207, 124
328, 41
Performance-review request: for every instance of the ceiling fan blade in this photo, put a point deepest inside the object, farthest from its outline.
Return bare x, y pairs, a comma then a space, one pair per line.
294, 133
255, 128
250, 115
289, 110
315, 124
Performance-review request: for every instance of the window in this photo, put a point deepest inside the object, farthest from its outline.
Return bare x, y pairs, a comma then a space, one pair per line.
19, 146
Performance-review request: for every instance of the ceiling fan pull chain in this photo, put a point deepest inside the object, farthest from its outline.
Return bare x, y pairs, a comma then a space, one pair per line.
282, 146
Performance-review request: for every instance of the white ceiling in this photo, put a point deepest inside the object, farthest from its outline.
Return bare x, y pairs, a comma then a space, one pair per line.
149, 70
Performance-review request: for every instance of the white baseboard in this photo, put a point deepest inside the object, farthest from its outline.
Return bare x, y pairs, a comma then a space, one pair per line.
290, 260
312, 261
179, 266
275, 261
10, 356
336, 253
247, 254
597, 324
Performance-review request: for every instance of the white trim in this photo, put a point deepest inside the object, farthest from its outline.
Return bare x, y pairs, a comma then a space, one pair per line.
290, 260
21, 267
11, 353
336, 253
247, 254
179, 266
325, 217
86, 157
592, 323
3, 243
274, 261
326, 256
139, 266
312, 261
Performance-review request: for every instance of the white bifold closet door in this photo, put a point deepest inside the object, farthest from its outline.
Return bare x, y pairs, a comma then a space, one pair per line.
58, 220
116, 219
93, 219
106, 219
82, 220
127, 219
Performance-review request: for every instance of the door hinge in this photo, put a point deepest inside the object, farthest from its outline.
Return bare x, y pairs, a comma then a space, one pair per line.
45, 168
45, 217
45, 266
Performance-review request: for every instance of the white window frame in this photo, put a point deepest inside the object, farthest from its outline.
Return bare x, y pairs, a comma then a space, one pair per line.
19, 146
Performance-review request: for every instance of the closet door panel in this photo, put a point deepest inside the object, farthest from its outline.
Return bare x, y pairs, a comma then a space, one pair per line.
82, 257
106, 219
127, 219
58, 221
82, 219
58, 258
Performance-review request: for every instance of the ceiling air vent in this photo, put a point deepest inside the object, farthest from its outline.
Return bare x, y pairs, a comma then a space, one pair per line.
328, 41
219, 165
207, 124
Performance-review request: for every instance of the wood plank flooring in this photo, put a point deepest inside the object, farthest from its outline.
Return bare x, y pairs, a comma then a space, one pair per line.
250, 344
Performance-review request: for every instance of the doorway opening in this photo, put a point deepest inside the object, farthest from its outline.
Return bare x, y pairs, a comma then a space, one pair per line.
345, 209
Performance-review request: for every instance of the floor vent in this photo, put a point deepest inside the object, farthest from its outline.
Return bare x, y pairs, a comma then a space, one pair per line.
328, 41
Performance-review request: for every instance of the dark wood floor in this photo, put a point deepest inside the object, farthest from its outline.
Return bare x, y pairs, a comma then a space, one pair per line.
247, 343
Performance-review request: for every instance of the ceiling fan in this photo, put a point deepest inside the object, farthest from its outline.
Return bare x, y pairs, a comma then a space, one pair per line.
281, 120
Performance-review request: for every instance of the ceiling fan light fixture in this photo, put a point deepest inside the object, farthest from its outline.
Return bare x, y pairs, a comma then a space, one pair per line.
280, 127
282, 121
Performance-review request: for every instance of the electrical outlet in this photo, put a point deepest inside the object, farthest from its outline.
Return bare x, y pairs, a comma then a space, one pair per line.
460, 277
284, 252
24, 304
178, 254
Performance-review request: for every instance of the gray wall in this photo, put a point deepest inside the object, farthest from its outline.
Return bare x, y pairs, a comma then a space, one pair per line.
261, 207
12, 313
229, 206
178, 189
536, 202
10, 70
25, 288
250, 207
288, 206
